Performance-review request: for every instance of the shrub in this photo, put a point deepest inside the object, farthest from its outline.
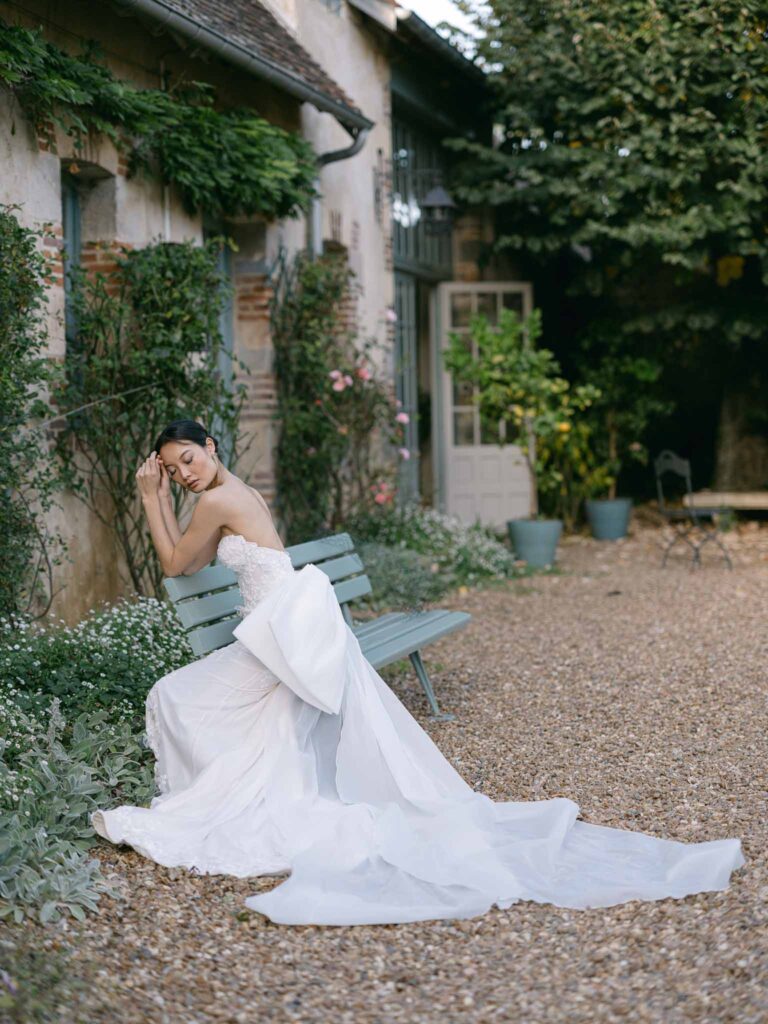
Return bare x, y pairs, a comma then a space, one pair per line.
464, 554
400, 577
45, 802
109, 660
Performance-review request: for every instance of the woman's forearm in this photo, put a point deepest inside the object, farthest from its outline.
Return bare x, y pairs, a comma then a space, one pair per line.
161, 537
169, 517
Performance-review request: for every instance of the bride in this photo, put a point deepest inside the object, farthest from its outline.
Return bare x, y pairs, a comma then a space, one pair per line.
285, 751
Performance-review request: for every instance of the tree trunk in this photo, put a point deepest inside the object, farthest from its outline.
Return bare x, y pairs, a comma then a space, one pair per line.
742, 453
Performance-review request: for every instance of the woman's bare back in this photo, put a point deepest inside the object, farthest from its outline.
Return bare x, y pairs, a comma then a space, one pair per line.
246, 517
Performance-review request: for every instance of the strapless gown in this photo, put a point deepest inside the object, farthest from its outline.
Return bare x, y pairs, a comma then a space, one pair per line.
286, 752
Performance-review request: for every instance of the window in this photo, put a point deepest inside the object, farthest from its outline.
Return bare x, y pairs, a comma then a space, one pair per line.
71, 223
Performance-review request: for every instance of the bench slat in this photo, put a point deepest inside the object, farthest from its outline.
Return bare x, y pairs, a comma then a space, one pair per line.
206, 609
210, 578
348, 590
210, 638
365, 628
339, 568
319, 550
408, 621
379, 654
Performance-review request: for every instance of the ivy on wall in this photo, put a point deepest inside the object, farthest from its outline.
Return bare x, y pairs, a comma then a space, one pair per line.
148, 334
224, 161
28, 479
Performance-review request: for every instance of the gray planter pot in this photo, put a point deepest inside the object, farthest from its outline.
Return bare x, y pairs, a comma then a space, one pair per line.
535, 540
609, 518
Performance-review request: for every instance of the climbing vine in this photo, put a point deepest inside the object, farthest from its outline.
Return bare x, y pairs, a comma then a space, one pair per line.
337, 418
223, 161
29, 549
148, 351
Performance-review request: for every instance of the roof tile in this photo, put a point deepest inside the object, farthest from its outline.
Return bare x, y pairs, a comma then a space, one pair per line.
251, 25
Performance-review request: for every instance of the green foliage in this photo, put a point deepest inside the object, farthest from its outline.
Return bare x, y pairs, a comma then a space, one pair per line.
632, 176
109, 660
523, 398
400, 578
55, 768
633, 123
148, 351
28, 477
627, 402
45, 803
226, 162
336, 413
464, 555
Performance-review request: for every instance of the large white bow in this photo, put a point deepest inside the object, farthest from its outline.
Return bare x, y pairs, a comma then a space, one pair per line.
299, 633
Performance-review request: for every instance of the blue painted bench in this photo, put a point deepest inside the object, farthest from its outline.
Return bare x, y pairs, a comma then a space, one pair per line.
205, 604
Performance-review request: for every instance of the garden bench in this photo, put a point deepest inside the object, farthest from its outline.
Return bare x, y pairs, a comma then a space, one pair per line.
206, 601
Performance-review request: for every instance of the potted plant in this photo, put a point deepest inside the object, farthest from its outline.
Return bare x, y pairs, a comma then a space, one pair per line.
620, 414
519, 390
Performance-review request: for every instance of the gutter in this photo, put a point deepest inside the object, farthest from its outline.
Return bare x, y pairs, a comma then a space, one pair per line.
240, 56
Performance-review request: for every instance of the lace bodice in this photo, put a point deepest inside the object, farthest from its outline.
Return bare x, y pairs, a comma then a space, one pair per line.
258, 569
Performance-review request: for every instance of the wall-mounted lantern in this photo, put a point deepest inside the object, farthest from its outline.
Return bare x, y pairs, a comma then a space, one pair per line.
438, 209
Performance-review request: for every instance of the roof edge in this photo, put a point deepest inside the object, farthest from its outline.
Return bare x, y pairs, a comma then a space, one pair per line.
235, 53
424, 32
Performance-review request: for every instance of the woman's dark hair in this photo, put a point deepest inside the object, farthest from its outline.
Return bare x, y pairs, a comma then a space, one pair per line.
184, 430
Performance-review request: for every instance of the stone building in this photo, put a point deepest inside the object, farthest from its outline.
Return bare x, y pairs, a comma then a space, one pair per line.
375, 91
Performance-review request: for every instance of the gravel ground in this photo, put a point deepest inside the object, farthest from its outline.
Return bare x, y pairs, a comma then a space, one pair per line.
636, 691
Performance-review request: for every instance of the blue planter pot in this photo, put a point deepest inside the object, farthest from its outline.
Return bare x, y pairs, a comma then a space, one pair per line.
609, 519
535, 540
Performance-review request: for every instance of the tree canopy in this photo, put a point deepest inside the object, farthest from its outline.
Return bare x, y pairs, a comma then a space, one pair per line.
632, 155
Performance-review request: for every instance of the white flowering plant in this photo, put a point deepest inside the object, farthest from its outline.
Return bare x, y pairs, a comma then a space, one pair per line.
110, 659
71, 740
460, 554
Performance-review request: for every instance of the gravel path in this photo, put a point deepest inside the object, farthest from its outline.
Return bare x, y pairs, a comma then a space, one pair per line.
637, 692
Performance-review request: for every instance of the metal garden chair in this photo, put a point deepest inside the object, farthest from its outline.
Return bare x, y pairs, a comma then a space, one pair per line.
693, 525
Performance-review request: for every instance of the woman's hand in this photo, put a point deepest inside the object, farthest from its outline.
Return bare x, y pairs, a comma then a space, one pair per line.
149, 477
164, 490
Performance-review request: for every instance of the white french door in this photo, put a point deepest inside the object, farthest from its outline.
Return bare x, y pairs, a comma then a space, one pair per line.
478, 478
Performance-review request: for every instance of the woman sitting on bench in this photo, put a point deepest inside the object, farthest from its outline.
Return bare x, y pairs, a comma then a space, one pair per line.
286, 752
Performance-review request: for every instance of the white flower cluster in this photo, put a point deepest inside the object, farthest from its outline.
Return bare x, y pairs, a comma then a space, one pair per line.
467, 553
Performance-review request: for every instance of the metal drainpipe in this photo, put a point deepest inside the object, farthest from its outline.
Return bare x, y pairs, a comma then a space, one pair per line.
315, 220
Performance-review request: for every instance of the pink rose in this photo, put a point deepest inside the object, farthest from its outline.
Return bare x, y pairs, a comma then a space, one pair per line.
404, 453
391, 315
363, 373
339, 385
334, 374
403, 417
380, 498
348, 380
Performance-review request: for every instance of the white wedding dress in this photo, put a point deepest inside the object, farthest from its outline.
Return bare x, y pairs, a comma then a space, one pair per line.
286, 752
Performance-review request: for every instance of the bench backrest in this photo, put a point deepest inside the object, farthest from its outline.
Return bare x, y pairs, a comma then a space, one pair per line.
205, 602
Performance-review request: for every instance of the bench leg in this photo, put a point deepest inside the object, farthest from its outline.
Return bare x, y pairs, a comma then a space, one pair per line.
426, 685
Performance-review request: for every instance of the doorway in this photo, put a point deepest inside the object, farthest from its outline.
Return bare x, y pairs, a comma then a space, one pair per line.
476, 478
